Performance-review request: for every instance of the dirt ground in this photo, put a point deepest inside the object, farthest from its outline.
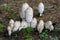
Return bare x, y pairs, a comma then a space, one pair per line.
52, 12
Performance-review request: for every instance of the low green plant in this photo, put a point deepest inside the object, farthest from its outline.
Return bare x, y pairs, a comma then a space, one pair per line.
57, 28
28, 29
56, 38
2, 26
28, 37
13, 11
6, 7
53, 38
44, 34
23, 32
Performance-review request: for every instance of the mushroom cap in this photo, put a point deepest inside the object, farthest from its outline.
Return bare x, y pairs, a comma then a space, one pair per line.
29, 14
41, 8
16, 25
48, 25
40, 26
24, 24
11, 21
24, 7
34, 23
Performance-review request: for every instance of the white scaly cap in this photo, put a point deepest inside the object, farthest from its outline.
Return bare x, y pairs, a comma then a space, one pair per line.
29, 14
34, 23
40, 26
23, 25
24, 7
16, 26
41, 8
48, 25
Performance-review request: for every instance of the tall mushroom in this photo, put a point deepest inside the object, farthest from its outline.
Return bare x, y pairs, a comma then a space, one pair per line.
24, 7
29, 15
41, 8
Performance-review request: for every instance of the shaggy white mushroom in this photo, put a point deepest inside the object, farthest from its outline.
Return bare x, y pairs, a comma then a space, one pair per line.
40, 8
10, 27
40, 26
29, 14
34, 23
48, 25
16, 26
24, 7
23, 25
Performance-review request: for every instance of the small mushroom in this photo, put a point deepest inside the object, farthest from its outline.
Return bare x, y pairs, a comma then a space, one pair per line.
41, 8
34, 23
48, 25
23, 25
24, 7
16, 26
40, 26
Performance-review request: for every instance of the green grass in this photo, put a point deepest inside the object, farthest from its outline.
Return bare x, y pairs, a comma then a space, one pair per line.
28, 29
44, 34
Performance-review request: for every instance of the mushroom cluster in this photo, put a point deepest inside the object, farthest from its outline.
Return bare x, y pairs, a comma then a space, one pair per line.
29, 21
